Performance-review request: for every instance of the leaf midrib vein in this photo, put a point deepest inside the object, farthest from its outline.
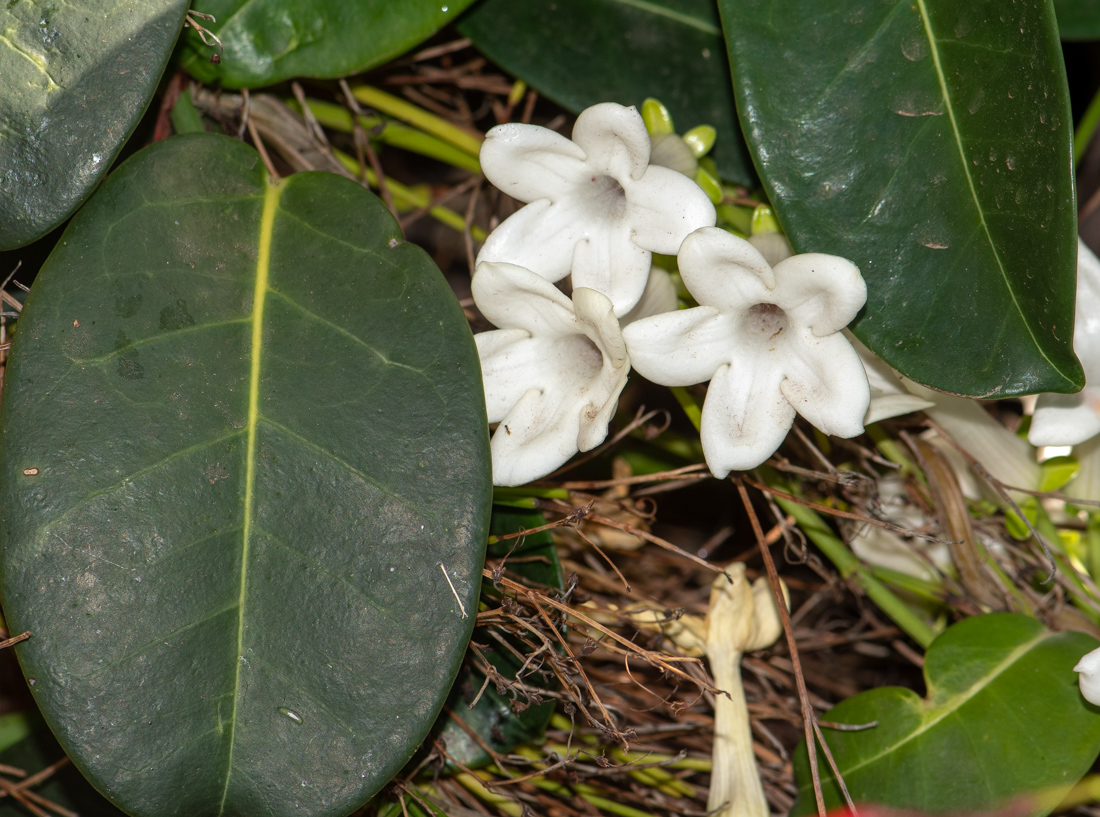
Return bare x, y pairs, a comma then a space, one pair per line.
933, 45
956, 703
272, 194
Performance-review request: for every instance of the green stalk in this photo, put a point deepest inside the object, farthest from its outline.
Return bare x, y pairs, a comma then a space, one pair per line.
921, 588
695, 764
586, 793
525, 496
1092, 543
1085, 130
834, 549
390, 133
418, 117
412, 198
891, 450
476, 786
688, 404
653, 777
185, 116
850, 566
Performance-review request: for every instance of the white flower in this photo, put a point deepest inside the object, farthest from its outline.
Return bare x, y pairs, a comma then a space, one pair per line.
552, 371
1069, 419
768, 340
1089, 678
598, 208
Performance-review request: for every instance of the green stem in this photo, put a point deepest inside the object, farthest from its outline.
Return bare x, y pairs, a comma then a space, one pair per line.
688, 404
418, 117
929, 591
1085, 129
891, 450
850, 567
391, 133
1092, 543
409, 197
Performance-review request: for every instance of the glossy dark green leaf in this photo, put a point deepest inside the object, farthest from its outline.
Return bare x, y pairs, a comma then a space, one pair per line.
1078, 19
1003, 717
267, 41
502, 721
930, 143
580, 52
244, 487
75, 78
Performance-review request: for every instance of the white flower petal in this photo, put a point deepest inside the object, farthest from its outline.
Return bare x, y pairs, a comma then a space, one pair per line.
538, 436
773, 246
663, 207
1087, 483
659, 297
745, 417
725, 271
1086, 328
610, 263
1089, 678
529, 162
885, 405
512, 297
510, 363
671, 151
614, 140
681, 348
1065, 419
595, 314
541, 237
821, 291
1004, 455
826, 383
888, 396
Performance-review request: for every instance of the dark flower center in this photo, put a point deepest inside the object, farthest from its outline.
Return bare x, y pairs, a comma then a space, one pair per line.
766, 320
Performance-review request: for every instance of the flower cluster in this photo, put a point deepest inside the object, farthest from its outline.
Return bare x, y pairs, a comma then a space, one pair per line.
767, 337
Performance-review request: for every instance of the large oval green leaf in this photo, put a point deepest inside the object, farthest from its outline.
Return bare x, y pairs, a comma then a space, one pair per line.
580, 52
930, 142
267, 41
244, 488
1003, 717
75, 78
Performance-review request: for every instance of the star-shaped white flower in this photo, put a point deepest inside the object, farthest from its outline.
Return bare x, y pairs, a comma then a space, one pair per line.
552, 371
598, 208
1069, 419
768, 340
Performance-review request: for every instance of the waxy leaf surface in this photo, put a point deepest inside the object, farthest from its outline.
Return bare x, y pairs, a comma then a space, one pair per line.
1003, 717
244, 488
580, 52
75, 78
267, 41
930, 143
